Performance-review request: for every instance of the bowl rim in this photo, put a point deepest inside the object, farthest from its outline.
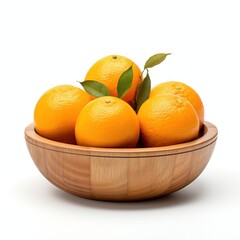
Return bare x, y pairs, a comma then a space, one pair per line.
208, 136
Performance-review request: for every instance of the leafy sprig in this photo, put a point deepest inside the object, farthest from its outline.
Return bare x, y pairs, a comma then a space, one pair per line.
98, 89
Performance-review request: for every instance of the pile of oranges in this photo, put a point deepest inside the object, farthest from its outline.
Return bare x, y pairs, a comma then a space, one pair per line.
116, 107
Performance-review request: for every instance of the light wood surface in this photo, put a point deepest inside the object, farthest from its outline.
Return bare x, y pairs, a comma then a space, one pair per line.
121, 174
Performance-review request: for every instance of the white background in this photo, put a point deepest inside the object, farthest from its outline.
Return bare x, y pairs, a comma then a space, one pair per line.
46, 43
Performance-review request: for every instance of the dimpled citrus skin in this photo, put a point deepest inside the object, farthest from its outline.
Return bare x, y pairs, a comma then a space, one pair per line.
56, 112
108, 71
107, 122
167, 119
183, 90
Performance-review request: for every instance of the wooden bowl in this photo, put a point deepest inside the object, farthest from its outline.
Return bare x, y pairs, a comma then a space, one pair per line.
121, 174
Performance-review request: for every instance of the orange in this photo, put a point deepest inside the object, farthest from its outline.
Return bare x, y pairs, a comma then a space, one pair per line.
167, 119
107, 122
108, 71
56, 112
182, 90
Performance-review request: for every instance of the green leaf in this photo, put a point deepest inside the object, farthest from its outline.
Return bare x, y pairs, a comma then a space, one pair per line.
94, 88
155, 60
125, 82
143, 91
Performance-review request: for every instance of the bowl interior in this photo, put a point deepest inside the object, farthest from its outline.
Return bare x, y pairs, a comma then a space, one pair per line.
207, 134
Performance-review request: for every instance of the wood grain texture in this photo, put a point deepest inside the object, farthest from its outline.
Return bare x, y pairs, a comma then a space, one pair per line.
121, 174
